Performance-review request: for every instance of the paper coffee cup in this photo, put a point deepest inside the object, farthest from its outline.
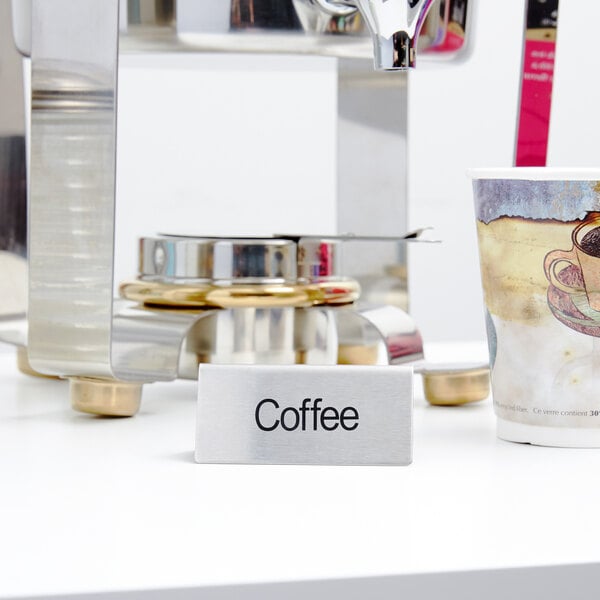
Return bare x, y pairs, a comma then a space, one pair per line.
539, 245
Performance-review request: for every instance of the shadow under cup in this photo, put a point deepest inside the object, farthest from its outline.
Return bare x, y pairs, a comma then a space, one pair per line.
539, 246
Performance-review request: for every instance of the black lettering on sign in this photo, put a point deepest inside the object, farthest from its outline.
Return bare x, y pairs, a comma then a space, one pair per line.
327, 418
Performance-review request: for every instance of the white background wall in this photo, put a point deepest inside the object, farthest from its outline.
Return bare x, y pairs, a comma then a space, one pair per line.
461, 116
575, 119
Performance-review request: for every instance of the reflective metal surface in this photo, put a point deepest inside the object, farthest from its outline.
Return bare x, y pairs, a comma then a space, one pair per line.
319, 258
161, 13
13, 298
339, 28
73, 137
321, 16
377, 335
185, 260
21, 25
372, 163
254, 261
13, 187
304, 415
147, 344
395, 26
275, 336
326, 27
75, 327
13, 193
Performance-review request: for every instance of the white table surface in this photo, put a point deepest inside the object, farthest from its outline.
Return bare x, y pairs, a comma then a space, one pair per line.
104, 505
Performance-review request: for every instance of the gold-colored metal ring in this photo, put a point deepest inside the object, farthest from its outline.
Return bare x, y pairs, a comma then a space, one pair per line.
198, 296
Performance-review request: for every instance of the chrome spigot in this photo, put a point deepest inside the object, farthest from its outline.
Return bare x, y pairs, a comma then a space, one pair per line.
394, 26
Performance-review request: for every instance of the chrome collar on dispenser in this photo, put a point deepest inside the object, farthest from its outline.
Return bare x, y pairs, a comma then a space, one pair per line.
234, 261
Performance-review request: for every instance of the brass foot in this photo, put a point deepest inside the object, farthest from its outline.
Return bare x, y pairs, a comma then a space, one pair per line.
357, 354
452, 388
107, 397
25, 367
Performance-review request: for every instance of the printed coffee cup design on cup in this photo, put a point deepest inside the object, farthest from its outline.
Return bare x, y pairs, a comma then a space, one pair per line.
539, 248
577, 271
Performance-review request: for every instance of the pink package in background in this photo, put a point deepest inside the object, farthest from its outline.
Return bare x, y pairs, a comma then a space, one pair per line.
536, 83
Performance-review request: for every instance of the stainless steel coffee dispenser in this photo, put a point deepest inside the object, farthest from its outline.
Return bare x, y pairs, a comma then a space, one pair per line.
108, 348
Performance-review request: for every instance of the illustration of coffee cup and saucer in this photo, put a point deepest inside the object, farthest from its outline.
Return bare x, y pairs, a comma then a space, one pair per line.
574, 276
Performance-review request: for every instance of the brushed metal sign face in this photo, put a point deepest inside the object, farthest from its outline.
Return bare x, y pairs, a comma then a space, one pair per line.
329, 415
